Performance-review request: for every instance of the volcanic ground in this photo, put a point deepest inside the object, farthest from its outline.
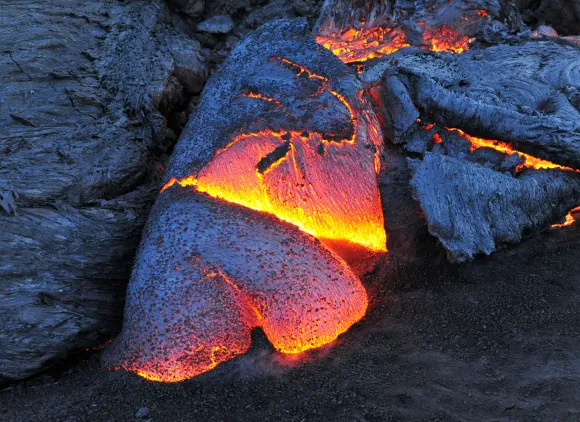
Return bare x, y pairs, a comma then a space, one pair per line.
496, 339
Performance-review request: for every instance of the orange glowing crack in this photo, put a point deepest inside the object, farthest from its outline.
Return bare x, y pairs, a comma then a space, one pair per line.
298, 187
237, 288
300, 69
570, 218
262, 97
529, 160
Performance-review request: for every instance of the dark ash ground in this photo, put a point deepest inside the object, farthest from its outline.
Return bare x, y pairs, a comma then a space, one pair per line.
495, 340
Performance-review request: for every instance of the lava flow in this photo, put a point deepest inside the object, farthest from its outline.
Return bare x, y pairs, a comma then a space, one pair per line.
366, 40
294, 287
303, 178
529, 161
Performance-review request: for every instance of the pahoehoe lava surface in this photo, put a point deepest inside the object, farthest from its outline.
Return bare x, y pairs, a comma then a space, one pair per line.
207, 274
285, 130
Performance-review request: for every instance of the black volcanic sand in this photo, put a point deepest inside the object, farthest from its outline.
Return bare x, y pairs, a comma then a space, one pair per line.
497, 339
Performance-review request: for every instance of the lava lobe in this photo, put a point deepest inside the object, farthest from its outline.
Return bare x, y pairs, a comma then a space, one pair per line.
281, 155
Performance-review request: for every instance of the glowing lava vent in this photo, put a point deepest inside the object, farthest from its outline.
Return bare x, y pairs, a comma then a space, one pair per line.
357, 31
281, 154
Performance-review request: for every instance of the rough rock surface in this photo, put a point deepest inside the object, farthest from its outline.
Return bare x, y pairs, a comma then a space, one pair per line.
525, 95
562, 15
192, 8
78, 100
472, 209
221, 24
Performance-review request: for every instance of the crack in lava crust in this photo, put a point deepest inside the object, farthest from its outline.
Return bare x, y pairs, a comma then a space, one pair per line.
244, 248
330, 195
528, 161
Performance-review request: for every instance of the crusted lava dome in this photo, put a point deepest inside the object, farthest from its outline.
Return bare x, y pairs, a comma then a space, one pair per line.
280, 159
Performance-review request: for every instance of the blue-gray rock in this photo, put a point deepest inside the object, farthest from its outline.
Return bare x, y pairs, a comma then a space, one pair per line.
217, 25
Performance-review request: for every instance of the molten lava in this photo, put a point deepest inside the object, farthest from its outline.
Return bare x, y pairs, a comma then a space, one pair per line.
358, 45
446, 38
199, 289
368, 39
529, 160
570, 218
302, 295
303, 178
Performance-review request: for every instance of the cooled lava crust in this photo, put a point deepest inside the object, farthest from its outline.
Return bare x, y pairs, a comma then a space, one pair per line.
279, 160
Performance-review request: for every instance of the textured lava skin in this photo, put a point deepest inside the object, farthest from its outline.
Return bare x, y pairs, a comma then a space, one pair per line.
207, 274
282, 151
284, 127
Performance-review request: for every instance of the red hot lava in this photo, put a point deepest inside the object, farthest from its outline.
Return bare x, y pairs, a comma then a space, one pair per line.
369, 40
326, 188
327, 207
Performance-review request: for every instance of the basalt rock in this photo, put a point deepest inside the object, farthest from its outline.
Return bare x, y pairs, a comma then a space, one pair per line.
78, 152
497, 130
562, 15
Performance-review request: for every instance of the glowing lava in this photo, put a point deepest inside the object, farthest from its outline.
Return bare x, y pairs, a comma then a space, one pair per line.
570, 218
326, 188
359, 45
529, 160
207, 274
292, 286
446, 38
365, 40
364, 44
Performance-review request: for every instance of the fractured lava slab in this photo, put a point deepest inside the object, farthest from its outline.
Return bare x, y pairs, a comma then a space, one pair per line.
284, 131
208, 273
